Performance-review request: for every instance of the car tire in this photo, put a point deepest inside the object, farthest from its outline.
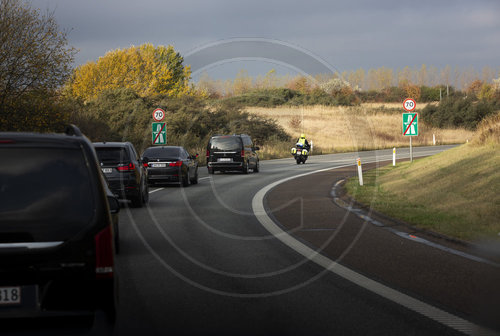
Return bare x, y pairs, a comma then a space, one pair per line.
185, 180
245, 168
138, 201
117, 238
195, 179
211, 170
257, 167
146, 193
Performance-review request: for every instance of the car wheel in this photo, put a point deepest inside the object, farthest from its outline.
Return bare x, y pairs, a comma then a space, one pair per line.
138, 201
117, 238
245, 168
257, 167
195, 179
185, 180
211, 170
146, 193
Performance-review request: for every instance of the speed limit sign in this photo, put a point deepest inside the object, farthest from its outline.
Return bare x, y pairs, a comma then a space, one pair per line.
158, 114
409, 104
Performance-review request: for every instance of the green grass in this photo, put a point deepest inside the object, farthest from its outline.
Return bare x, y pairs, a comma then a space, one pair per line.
455, 193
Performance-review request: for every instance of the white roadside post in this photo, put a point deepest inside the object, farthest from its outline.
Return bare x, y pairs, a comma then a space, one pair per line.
394, 156
434, 139
360, 172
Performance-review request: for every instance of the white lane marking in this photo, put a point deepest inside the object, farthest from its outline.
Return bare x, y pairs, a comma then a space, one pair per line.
393, 295
204, 178
155, 190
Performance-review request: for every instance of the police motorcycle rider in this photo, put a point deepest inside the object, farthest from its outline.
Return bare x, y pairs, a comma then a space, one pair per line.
301, 150
303, 141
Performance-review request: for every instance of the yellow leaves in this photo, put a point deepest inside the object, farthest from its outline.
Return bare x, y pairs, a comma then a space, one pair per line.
146, 69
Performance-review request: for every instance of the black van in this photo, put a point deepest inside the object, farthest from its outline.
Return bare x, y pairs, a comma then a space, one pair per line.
232, 153
56, 228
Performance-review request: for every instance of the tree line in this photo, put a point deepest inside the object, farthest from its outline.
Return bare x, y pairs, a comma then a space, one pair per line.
111, 98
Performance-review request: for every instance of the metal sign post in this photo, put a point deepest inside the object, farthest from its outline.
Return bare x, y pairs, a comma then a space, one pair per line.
410, 122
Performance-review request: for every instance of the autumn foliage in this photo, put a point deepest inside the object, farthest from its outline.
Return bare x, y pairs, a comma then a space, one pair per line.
146, 69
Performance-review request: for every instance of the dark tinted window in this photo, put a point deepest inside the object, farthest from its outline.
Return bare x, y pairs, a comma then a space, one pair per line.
112, 154
226, 143
247, 141
161, 152
45, 194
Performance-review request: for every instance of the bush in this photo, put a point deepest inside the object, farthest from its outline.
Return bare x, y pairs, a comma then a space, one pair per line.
458, 112
122, 115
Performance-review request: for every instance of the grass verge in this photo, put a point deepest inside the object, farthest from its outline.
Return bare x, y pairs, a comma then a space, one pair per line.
454, 193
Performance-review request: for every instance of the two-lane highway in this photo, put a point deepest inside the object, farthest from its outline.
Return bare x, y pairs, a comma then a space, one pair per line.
198, 261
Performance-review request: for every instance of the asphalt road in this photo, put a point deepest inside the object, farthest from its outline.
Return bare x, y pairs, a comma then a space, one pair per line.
201, 261
198, 261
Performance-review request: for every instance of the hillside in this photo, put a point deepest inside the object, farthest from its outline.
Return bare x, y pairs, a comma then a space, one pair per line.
454, 193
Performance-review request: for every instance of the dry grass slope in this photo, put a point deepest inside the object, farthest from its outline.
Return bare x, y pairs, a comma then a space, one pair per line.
342, 129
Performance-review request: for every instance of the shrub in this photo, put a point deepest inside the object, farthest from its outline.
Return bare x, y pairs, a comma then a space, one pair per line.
458, 112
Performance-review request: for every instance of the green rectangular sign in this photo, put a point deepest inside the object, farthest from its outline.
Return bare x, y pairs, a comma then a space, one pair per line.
159, 132
410, 124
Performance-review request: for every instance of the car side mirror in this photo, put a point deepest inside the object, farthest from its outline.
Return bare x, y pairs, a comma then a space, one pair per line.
114, 205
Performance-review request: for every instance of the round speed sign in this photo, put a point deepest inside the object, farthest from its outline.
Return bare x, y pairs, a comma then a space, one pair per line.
409, 104
158, 114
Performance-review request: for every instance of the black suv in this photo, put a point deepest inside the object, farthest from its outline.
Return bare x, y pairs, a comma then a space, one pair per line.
232, 152
56, 229
126, 175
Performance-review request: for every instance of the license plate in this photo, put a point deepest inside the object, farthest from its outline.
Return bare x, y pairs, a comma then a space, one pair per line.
107, 170
225, 160
158, 165
10, 295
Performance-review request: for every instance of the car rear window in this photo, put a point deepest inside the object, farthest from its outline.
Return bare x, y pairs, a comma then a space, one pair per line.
162, 152
225, 143
112, 154
45, 194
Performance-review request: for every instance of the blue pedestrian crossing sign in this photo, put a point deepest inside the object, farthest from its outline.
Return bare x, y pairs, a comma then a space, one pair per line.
159, 132
410, 124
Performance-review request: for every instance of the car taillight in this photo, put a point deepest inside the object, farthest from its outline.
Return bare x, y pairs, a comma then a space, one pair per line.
242, 153
128, 167
208, 153
145, 165
6, 141
104, 253
175, 164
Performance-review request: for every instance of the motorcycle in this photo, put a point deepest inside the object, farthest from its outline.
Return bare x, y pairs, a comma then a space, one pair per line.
300, 153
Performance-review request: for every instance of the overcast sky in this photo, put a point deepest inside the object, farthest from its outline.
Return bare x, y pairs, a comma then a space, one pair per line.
346, 34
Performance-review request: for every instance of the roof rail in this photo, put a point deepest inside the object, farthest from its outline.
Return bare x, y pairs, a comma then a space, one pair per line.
73, 130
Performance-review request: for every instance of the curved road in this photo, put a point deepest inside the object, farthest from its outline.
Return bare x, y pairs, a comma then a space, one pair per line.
198, 261
281, 252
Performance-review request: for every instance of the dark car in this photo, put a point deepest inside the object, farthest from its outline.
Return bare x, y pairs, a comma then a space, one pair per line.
171, 164
232, 153
56, 229
124, 171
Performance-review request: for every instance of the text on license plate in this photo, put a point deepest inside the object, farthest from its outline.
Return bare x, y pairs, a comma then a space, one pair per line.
10, 295
107, 170
225, 159
158, 165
